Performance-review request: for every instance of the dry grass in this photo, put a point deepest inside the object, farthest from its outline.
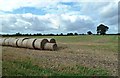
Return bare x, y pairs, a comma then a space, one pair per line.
69, 55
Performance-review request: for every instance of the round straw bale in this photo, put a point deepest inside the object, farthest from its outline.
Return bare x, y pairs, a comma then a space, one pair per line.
30, 43
2, 41
50, 46
14, 44
11, 41
19, 42
51, 40
39, 43
24, 43
7, 41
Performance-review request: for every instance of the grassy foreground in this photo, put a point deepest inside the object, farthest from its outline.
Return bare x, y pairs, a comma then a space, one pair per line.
76, 56
26, 68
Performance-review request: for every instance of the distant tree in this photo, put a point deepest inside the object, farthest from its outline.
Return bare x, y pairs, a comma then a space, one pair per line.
70, 34
34, 34
18, 34
101, 29
89, 33
67, 33
61, 34
51, 34
81, 34
38, 34
118, 33
75, 33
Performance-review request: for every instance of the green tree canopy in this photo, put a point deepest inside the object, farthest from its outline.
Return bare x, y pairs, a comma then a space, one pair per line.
101, 29
89, 33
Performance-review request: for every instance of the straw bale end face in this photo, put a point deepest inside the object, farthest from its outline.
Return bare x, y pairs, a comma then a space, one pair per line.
19, 42
14, 44
55, 47
24, 43
50, 46
39, 43
51, 40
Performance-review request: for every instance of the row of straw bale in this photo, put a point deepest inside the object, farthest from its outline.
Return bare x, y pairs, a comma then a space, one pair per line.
32, 43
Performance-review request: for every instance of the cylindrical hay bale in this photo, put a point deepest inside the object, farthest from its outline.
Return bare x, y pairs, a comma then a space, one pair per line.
50, 46
51, 40
30, 43
19, 42
11, 41
7, 42
39, 43
2, 41
14, 44
24, 43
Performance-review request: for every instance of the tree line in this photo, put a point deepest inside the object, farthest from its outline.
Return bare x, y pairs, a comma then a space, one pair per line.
39, 34
61, 34
101, 30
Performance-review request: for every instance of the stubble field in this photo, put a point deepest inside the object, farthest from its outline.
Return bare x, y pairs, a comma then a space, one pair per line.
76, 56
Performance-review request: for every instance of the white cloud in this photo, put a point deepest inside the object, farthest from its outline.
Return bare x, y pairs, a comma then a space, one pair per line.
109, 16
59, 17
77, 23
109, 10
102, 12
28, 22
19, 23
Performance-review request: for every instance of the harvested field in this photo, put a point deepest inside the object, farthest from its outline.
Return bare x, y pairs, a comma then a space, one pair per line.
76, 56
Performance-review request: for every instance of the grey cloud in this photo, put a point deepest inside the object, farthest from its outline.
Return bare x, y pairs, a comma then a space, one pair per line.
105, 12
113, 20
109, 14
80, 25
110, 10
101, 12
18, 23
24, 23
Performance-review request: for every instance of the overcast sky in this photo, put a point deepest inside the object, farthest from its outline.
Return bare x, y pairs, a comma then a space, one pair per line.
57, 16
